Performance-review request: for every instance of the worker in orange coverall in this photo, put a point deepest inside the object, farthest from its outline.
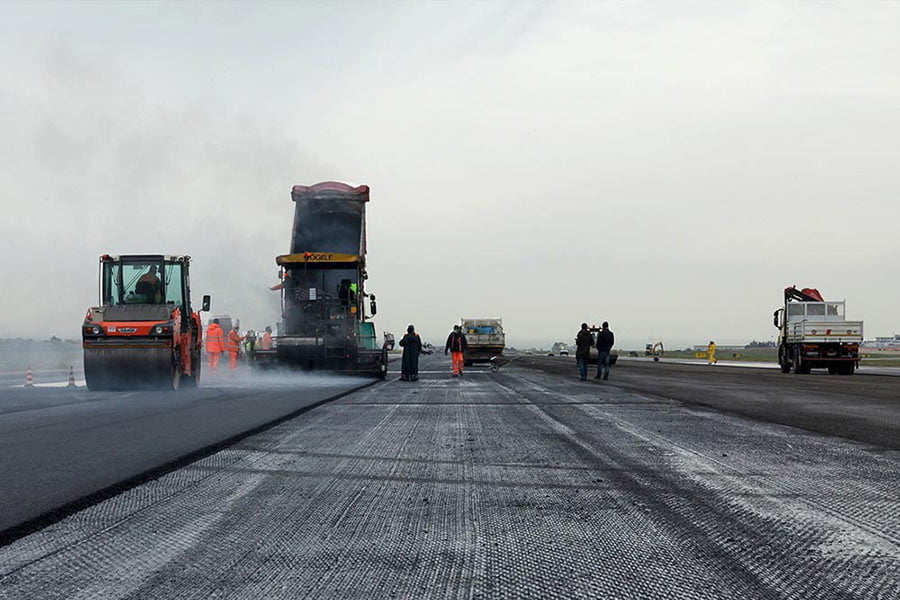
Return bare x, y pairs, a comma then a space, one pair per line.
266, 342
215, 343
233, 346
457, 345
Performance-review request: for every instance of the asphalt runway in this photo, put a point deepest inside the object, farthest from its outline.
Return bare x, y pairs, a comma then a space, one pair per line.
62, 444
525, 483
862, 407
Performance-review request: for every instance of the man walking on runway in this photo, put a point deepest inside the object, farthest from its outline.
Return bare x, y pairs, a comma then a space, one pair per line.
457, 345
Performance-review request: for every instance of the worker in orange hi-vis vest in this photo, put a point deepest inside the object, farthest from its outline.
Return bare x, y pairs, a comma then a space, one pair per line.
233, 345
215, 343
265, 343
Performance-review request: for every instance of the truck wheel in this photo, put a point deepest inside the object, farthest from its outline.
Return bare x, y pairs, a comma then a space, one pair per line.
783, 361
799, 367
832, 370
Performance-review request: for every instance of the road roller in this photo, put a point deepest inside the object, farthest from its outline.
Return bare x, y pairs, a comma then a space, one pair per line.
144, 334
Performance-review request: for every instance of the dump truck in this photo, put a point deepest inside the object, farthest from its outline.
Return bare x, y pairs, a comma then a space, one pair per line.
144, 333
485, 338
324, 324
813, 333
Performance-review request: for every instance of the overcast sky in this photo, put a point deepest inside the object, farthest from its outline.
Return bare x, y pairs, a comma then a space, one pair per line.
667, 166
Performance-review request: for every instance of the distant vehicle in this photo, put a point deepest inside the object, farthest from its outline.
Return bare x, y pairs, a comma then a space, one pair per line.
485, 338
563, 352
812, 334
655, 350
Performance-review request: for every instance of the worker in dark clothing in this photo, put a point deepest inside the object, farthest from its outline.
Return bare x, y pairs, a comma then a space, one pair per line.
457, 346
583, 342
148, 285
605, 341
409, 362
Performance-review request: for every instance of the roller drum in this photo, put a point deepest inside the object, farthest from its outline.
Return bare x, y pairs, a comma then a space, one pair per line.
125, 368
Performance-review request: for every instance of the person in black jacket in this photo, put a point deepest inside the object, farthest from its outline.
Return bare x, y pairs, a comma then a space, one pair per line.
409, 362
457, 345
605, 341
583, 342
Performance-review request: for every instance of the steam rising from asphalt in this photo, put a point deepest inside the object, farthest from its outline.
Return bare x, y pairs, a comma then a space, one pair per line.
276, 379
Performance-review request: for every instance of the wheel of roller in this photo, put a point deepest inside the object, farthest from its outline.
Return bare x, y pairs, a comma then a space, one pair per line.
173, 380
193, 380
93, 372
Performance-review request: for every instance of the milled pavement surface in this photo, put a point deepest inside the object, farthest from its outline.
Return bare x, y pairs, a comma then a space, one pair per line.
516, 484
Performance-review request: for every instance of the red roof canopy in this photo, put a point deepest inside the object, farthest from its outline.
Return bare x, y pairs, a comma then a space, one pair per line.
333, 186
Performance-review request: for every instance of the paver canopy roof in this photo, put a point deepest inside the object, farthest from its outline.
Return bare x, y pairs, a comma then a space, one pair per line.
329, 217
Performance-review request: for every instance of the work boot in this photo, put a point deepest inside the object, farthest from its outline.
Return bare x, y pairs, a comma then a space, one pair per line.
605, 377
597, 376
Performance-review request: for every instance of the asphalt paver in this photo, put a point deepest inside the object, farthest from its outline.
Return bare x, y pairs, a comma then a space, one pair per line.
515, 484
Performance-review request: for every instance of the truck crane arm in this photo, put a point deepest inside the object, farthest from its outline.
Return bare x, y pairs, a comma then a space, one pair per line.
804, 295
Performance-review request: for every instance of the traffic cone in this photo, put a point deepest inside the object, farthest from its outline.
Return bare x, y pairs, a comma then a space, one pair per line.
29, 381
71, 377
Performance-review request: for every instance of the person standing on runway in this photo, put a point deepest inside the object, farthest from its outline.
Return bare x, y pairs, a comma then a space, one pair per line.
457, 345
233, 345
605, 341
215, 343
409, 362
265, 343
583, 342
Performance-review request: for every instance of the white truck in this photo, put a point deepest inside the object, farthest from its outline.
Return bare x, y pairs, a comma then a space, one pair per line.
485, 338
813, 333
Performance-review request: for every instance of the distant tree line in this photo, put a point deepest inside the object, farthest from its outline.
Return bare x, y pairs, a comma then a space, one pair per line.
755, 344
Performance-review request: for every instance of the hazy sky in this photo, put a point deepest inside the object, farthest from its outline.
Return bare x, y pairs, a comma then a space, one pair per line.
667, 166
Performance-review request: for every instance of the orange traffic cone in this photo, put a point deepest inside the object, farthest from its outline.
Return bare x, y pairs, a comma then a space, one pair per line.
71, 377
29, 381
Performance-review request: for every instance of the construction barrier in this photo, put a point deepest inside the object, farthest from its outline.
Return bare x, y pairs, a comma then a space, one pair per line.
29, 380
